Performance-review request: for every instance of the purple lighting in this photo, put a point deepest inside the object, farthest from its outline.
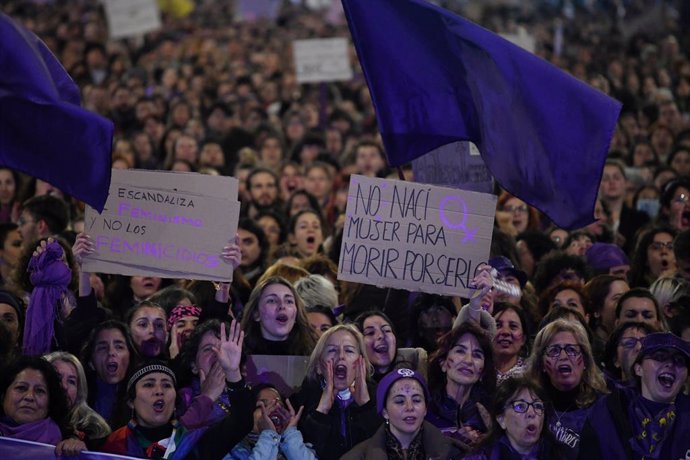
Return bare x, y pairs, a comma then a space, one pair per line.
462, 225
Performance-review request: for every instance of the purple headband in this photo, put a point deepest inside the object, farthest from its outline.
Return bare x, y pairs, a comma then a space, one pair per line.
182, 311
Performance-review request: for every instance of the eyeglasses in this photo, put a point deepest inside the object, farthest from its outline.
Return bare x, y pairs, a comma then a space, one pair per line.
519, 208
630, 342
554, 351
659, 245
521, 406
681, 199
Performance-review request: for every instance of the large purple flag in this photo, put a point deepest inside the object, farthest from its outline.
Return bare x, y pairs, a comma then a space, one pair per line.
436, 78
43, 130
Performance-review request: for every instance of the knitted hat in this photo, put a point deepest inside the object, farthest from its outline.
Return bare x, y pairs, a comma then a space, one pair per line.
149, 368
389, 379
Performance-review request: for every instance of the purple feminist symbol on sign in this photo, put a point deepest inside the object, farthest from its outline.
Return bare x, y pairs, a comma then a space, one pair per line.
462, 225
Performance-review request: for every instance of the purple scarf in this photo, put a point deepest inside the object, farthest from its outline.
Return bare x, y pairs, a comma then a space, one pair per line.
50, 276
44, 430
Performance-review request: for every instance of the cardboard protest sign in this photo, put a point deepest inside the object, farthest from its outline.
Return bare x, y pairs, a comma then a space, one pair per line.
285, 372
322, 60
415, 236
130, 18
167, 224
458, 164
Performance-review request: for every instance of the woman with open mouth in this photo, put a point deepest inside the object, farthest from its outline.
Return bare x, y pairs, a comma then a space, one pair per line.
381, 344
275, 321
401, 399
650, 419
563, 364
622, 350
147, 322
518, 431
339, 410
305, 232
154, 430
209, 373
462, 378
653, 257
275, 435
110, 357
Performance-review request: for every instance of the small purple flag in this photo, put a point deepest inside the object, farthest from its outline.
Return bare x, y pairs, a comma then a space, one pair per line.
43, 130
436, 78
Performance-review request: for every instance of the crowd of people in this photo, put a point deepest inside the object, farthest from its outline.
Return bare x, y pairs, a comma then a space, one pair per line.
587, 358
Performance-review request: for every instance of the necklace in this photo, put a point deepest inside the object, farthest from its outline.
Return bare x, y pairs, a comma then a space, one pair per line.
559, 416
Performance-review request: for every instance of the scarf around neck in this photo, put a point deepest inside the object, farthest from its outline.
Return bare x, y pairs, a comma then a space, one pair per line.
44, 430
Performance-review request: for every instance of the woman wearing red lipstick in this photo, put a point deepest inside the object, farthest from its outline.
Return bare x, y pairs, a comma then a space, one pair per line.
275, 321
339, 410
563, 364
518, 431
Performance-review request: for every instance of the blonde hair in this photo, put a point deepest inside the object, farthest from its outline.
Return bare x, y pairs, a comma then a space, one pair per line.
81, 416
314, 370
592, 383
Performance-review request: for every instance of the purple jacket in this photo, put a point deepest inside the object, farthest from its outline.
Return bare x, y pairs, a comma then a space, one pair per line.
607, 431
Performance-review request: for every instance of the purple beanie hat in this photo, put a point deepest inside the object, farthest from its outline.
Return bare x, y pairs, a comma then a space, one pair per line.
393, 376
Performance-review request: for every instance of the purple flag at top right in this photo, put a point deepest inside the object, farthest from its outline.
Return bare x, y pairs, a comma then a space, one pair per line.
436, 78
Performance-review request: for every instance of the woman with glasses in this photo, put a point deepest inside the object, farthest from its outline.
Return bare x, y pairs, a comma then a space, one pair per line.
653, 257
621, 351
650, 419
519, 430
562, 362
515, 216
675, 204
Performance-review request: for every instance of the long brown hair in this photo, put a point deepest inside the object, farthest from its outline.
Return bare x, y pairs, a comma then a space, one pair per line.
301, 340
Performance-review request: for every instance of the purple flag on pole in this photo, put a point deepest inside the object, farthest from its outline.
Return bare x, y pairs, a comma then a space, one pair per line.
43, 130
436, 78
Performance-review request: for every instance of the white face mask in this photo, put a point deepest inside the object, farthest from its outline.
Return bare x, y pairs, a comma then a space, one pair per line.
650, 206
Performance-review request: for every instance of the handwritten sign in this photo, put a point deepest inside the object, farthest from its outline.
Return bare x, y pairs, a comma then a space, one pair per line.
130, 18
167, 224
414, 236
322, 60
458, 164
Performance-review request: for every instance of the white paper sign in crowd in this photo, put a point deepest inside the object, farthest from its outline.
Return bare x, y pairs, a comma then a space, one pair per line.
322, 60
130, 18
415, 236
167, 224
